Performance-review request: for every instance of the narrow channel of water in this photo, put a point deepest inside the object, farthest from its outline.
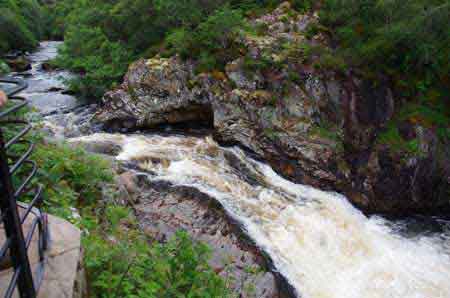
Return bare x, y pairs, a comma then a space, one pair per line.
322, 245
46, 88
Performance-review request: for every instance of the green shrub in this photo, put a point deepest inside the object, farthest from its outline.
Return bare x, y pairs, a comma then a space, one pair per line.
391, 137
100, 62
71, 178
408, 40
252, 65
188, 13
302, 5
21, 24
4, 68
295, 77
180, 41
129, 266
218, 29
120, 262
102, 37
211, 43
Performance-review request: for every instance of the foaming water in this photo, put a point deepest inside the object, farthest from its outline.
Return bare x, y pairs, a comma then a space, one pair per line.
322, 245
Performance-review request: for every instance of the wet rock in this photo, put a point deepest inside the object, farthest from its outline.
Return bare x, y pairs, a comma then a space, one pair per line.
48, 66
164, 209
105, 146
55, 89
68, 92
19, 64
129, 181
25, 74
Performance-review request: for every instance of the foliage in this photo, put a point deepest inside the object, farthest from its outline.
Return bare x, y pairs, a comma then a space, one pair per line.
391, 136
302, 5
252, 65
327, 130
100, 61
102, 37
70, 177
404, 40
56, 18
121, 262
129, 266
21, 23
211, 40
188, 13
4, 68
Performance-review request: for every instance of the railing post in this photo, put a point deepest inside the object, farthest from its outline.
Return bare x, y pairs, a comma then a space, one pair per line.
13, 228
26, 277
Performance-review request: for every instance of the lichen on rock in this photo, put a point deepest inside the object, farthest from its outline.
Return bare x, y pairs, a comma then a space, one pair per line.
313, 125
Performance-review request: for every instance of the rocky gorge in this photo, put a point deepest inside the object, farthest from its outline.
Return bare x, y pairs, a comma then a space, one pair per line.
162, 208
315, 125
251, 160
269, 237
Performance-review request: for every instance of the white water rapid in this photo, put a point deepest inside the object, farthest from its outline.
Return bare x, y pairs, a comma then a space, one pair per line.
317, 240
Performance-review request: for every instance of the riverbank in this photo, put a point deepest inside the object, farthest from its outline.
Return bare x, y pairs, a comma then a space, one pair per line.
80, 187
316, 240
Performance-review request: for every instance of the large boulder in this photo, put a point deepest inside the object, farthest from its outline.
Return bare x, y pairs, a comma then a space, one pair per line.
19, 63
154, 92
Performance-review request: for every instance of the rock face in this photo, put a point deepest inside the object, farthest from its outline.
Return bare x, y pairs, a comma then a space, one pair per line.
315, 125
148, 98
163, 209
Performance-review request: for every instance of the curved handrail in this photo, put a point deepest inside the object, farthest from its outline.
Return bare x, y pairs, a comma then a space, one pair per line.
17, 242
20, 85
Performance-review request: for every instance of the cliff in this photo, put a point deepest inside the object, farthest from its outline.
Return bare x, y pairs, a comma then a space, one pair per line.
312, 120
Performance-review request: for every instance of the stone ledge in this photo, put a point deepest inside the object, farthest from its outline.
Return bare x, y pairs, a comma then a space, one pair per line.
62, 273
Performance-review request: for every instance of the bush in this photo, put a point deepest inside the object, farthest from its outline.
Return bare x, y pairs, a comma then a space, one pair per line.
100, 62
21, 23
4, 68
211, 42
129, 266
71, 178
218, 29
302, 5
407, 41
102, 37
120, 260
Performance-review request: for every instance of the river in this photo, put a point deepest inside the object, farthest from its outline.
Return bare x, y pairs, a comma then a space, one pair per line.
317, 240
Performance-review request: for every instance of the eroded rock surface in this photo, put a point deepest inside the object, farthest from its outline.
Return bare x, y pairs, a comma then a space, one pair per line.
163, 209
147, 98
313, 125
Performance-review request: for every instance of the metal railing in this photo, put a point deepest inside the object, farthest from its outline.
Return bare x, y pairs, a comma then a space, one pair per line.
20, 221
